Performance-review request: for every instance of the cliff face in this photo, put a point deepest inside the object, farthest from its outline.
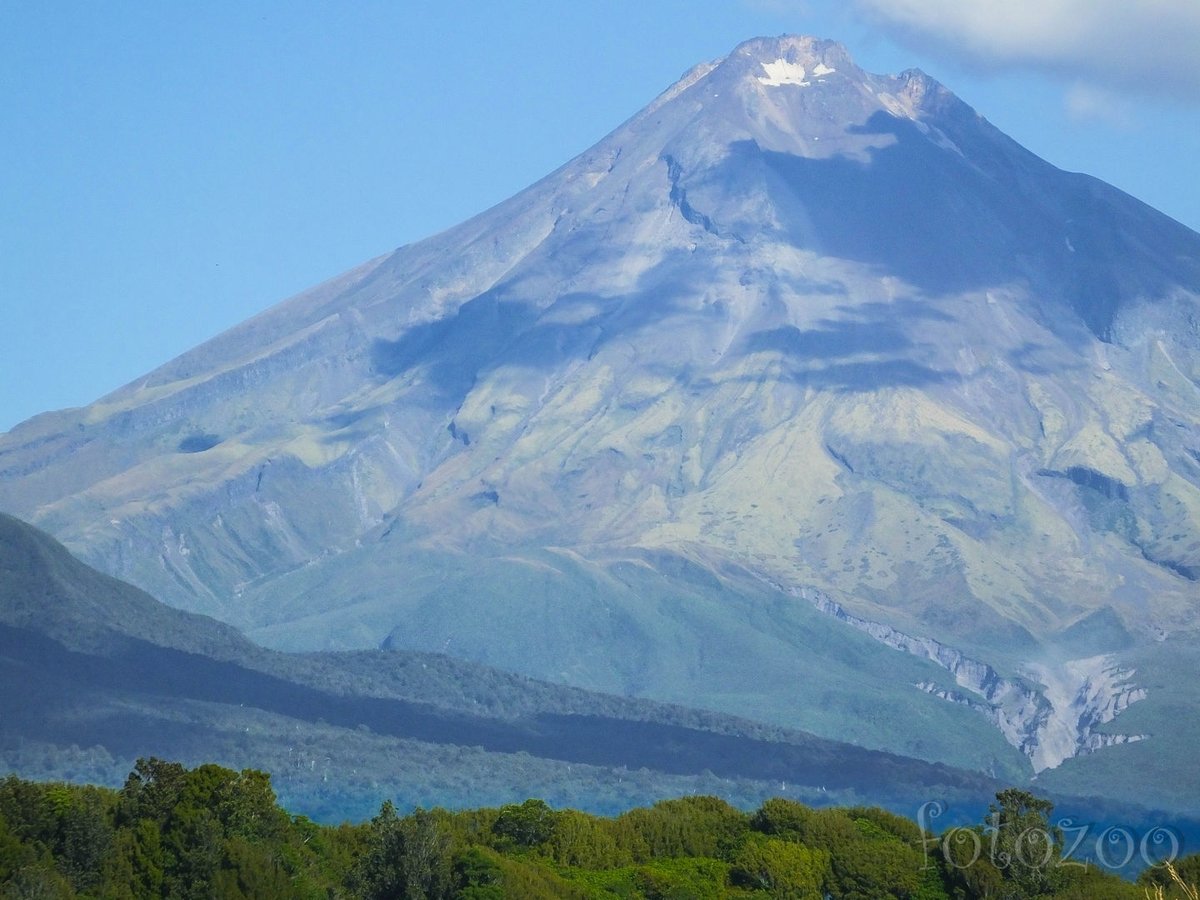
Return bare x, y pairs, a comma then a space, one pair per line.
828, 328
1051, 715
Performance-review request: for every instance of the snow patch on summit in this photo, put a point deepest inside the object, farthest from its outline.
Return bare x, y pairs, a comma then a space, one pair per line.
782, 72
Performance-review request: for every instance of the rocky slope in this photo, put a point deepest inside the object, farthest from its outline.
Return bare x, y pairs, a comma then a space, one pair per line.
827, 329
1051, 715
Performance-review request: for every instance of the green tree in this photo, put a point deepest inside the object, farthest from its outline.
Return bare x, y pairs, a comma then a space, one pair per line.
690, 826
83, 833
683, 878
70, 822
406, 858
15, 854
527, 824
782, 868
151, 791
246, 805
785, 818
1016, 854
134, 868
252, 871
585, 842
193, 848
1024, 845
1093, 883
39, 882
477, 876
867, 858
968, 866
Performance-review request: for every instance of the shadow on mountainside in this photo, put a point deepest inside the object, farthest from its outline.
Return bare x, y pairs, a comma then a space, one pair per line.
973, 214
502, 327
51, 710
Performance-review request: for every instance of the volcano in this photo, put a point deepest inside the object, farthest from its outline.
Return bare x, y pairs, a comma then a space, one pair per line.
806, 394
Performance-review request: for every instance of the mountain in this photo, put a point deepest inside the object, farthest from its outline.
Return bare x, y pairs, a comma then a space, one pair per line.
798, 362
95, 673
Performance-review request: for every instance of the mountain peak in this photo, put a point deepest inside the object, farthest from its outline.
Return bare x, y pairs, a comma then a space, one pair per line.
787, 61
825, 327
799, 95
796, 49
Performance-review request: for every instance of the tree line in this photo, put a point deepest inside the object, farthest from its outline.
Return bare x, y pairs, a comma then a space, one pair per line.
212, 832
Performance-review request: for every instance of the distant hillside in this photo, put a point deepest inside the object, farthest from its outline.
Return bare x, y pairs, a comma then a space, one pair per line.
96, 673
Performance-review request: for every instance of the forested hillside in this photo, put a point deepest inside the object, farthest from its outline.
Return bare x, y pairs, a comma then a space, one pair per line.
95, 674
211, 832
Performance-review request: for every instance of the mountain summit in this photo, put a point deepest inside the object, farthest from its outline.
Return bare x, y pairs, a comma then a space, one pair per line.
797, 358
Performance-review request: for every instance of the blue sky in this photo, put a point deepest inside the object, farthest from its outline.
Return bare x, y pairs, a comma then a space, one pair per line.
168, 170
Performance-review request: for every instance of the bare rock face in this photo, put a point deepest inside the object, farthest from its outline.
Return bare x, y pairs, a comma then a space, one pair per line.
1051, 712
817, 327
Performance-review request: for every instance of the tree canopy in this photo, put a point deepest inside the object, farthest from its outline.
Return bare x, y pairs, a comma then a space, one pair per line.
211, 832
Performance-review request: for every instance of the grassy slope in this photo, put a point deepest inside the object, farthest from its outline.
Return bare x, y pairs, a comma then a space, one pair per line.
652, 626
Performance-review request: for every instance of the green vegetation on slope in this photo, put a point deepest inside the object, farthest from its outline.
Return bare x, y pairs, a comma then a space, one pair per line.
212, 832
649, 625
107, 674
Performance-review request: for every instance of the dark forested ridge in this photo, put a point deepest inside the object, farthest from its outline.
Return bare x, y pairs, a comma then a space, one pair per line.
212, 832
89, 662
140, 667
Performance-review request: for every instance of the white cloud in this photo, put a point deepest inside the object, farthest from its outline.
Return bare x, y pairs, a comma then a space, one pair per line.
1134, 46
1085, 103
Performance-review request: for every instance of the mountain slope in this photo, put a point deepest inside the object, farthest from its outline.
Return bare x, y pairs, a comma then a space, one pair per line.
86, 661
808, 331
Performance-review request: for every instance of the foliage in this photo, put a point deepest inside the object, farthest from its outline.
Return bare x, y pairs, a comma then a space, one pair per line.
1026, 846
691, 826
526, 825
405, 857
782, 868
211, 832
1179, 879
